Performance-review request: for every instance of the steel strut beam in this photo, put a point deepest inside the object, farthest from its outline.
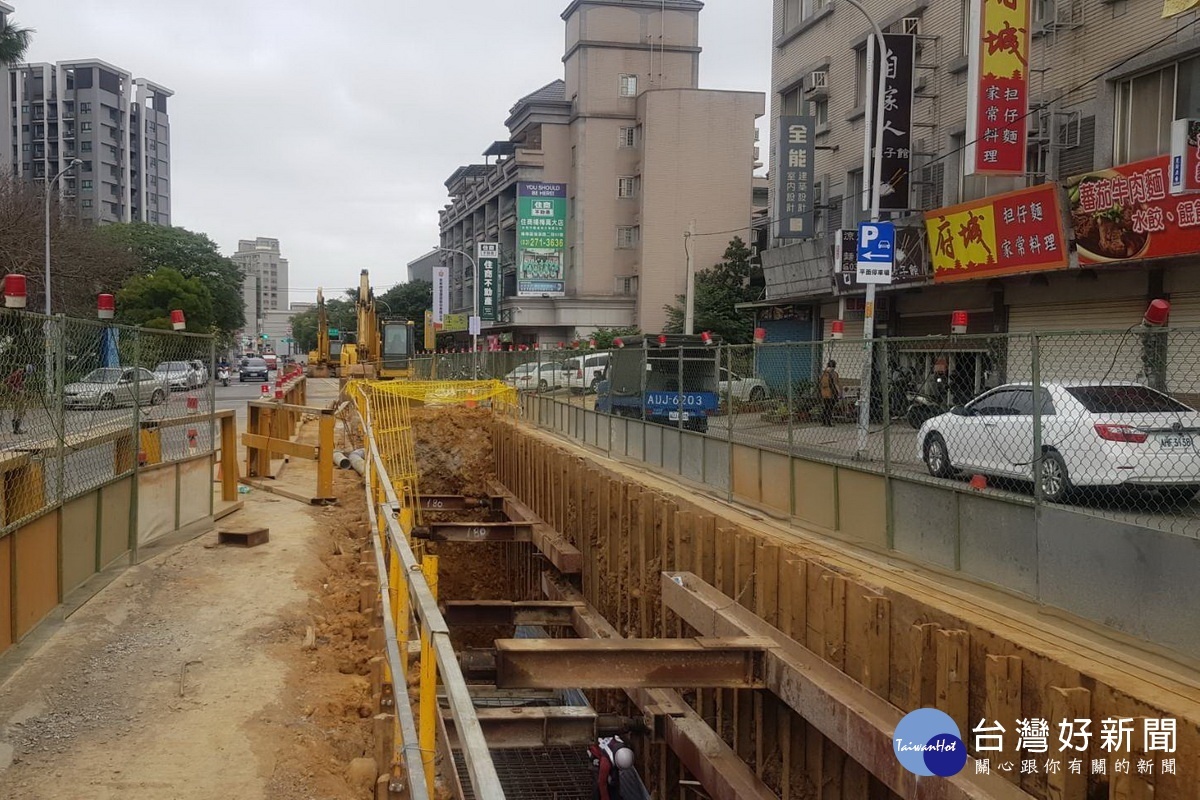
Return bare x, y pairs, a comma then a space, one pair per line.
706, 756
847, 713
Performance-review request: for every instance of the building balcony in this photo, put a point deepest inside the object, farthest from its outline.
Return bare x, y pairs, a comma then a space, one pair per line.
69, 133
529, 158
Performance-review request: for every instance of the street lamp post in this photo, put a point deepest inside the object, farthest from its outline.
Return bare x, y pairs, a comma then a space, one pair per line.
864, 402
50, 387
75, 162
475, 306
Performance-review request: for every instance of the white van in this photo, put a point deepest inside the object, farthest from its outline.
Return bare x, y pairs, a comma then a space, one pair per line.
585, 372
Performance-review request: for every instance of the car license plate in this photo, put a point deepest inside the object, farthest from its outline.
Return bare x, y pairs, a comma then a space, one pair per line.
1175, 441
675, 416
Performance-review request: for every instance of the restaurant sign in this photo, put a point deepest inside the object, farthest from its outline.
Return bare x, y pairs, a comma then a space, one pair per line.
1020, 231
1127, 213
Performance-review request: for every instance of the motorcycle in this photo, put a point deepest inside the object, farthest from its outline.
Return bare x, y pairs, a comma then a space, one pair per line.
929, 401
223, 375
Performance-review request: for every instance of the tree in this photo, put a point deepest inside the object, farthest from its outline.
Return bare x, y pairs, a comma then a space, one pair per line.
148, 300
718, 290
14, 41
83, 262
193, 255
407, 301
341, 316
604, 336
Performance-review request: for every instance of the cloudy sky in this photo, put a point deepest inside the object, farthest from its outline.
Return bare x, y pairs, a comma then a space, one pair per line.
332, 126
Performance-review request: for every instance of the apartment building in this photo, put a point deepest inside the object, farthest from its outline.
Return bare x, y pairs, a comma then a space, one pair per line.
261, 258
1106, 79
602, 174
116, 125
421, 269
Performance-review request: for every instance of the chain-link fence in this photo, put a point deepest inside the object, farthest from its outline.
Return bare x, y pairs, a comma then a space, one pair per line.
1101, 421
83, 402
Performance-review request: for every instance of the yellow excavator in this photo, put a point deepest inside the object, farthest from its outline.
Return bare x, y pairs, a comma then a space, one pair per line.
326, 360
384, 348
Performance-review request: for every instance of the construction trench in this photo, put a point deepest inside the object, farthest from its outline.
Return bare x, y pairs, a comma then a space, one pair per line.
740, 656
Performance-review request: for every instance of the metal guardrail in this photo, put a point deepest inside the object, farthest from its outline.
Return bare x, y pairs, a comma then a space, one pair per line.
405, 582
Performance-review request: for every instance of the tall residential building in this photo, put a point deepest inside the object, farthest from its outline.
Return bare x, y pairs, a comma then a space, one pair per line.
1103, 83
628, 153
260, 257
90, 110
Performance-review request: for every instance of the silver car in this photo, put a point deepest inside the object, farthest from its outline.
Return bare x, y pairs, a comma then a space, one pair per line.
179, 375
109, 387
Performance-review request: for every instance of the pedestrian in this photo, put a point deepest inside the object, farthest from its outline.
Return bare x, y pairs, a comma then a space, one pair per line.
14, 388
831, 392
610, 755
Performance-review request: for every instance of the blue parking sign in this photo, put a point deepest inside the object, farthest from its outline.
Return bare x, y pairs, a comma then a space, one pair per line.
876, 252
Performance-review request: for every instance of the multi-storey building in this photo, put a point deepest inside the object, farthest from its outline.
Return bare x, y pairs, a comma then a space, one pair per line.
637, 155
421, 269
260, 257
1106, 80
115, 125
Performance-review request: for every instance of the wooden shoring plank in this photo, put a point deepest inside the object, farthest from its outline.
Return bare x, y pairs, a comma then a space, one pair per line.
1002, 701
1067, 704
746, 580
953, 674
766, 606
923, 688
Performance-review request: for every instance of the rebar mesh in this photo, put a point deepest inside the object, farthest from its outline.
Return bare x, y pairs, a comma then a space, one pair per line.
553, 773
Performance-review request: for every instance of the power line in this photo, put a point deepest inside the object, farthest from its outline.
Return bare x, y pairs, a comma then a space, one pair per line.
1078, 87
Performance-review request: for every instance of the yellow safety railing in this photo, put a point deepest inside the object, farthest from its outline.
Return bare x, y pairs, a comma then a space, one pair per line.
408, 587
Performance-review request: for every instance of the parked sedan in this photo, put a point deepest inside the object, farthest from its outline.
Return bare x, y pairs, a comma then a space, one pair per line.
1122, 434
741, 388
542, 377
201, 370
179, 375
253, 369
109, 387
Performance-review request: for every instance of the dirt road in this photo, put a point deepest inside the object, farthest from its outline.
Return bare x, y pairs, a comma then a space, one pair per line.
187, 677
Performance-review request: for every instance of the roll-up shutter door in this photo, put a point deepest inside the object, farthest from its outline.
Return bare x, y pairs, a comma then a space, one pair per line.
1183, 347
848, 352
1185, 310
1065, 354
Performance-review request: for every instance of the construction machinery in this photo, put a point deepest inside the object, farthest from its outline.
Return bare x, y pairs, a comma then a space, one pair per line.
326, 360
384, 347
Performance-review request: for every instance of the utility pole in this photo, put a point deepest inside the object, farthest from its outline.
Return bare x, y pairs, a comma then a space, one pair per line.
864, 395
689, 310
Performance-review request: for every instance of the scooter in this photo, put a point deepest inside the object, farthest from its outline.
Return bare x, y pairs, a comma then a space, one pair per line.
928, 401
223, 375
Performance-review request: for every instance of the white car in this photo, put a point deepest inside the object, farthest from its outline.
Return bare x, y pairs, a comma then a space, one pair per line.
585, 373
538, 377
733, 385
1113, 434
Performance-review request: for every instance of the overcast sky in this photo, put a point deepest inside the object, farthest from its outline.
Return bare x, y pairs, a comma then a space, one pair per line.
333, 126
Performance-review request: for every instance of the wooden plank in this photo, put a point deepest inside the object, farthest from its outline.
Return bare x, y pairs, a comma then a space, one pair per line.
792, 603
923, 686
746, 576
766, 605
953, 674
1067, 704
1002, 702
726, 566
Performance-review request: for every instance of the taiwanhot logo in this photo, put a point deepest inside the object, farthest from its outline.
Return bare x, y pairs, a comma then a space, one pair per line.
927, 743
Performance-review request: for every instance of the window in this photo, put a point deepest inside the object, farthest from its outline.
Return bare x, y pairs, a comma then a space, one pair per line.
627, 237
85, 108
628, 86
24, 129
860, 75
1149, 103
26, 166
150, 126
820, 110
25, 147
852, 207
792, 101
627, 186
85, 127
85, 185
796, 11
627, 137
964, 36
86, 203
956, 169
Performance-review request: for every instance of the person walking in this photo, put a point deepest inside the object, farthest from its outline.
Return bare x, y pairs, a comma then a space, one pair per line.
14, 388
831, 392
610, 755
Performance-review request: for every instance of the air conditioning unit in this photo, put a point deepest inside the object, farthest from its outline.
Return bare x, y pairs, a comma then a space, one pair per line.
911, 25
818, 80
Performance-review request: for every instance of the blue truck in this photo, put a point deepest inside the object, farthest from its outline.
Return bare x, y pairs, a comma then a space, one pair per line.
669, 380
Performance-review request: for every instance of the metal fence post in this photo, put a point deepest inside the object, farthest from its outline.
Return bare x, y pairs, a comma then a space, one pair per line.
212, 412
885, 384
60, 425
679, 396
729, 416
791, 397
1036, 377
137, 457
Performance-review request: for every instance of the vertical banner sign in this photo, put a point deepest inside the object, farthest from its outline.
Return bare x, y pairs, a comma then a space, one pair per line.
794, 184
897, 120
845, 257
1185, 156
430, 336
488, 260
998, 87
541, 239
441, 293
